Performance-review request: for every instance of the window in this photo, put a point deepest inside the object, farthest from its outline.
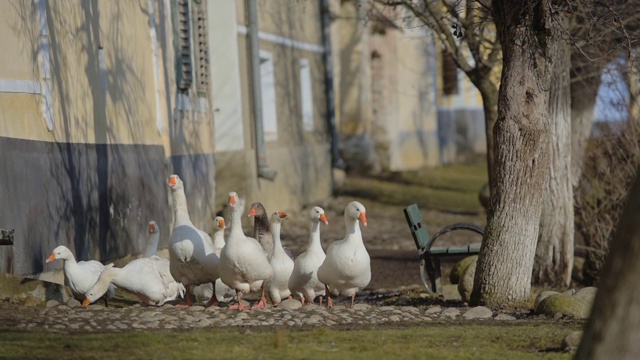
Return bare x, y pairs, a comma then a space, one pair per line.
449, 74
268, 87
306, 95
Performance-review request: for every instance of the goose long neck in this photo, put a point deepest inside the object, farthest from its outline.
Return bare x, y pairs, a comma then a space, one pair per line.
180, 210
314, 235
113, 275
275, 230
236, 222
218, 238
353, 230
152, 245
70, 261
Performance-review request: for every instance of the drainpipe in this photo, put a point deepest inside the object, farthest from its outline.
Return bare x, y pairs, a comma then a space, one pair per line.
336, 161
254, 55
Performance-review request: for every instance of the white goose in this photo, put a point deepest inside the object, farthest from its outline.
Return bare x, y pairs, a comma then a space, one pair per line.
347, 267
79, 276
243, 263
154, 238
223, 292
193, 260
304, 277
148, 278
281, 263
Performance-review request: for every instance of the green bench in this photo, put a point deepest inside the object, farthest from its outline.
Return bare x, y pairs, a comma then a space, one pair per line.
430, 255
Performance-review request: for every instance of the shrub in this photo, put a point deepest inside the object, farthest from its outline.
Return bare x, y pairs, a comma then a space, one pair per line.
609, 169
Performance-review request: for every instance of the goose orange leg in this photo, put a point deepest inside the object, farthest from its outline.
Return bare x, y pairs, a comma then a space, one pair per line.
239, 305
329, 300
262, 304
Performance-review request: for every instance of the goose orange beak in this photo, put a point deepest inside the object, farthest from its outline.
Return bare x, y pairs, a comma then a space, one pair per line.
282, 214
86, 302
232, 200
152, 228
363, 218
221, 224
323, 218
172, 180
50, 258
252, 212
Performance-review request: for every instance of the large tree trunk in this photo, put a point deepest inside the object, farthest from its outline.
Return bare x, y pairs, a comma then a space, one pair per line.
505, 262
585, 80
489, 94
554, 254
612, 331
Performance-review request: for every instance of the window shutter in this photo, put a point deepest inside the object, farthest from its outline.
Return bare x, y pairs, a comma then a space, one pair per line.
185, 77
202, 46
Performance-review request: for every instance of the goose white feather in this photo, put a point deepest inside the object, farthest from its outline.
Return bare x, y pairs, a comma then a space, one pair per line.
281, 264
148, 278
81, 275
347, 267
222, 291
193, 260
153, 239
243, 263
304, 277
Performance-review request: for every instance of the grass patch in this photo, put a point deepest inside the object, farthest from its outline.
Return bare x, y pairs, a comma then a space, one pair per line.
452, 188
442, 341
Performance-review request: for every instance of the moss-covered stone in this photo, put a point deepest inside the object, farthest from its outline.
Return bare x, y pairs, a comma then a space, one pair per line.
460, 267
18, 289
573, 306
541, 296
465, 286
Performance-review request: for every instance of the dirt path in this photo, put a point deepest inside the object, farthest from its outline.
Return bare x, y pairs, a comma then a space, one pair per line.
394, 258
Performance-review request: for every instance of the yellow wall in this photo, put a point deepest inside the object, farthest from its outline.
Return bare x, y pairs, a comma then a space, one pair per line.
301, 158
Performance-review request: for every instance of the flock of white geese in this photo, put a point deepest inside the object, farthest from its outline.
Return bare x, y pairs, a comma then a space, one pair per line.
228, 268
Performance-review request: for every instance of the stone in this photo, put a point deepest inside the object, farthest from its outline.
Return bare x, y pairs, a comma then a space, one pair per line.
386, 308
478, 312
571, 342
588, 293
290, 304
569, 292
504, 317
52, 303
543, 295
572, 306
361, 306
72, 303
32, 301
460, 267
465, 286
433, 310
315, 318
451, 312
196, 308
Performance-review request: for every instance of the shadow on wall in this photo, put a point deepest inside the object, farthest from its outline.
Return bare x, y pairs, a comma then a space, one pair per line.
94, 197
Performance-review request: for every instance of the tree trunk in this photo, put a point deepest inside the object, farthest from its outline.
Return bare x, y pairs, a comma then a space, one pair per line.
585, 81
505, 262
554, 254
489, 94
612, 331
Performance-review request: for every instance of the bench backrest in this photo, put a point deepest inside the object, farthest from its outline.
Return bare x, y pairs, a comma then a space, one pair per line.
418, 231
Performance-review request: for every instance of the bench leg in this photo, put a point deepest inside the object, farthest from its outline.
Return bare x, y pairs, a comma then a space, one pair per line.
437, 276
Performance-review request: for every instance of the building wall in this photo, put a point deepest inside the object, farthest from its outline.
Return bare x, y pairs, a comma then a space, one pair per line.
85, 164
387, 113
289, 31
